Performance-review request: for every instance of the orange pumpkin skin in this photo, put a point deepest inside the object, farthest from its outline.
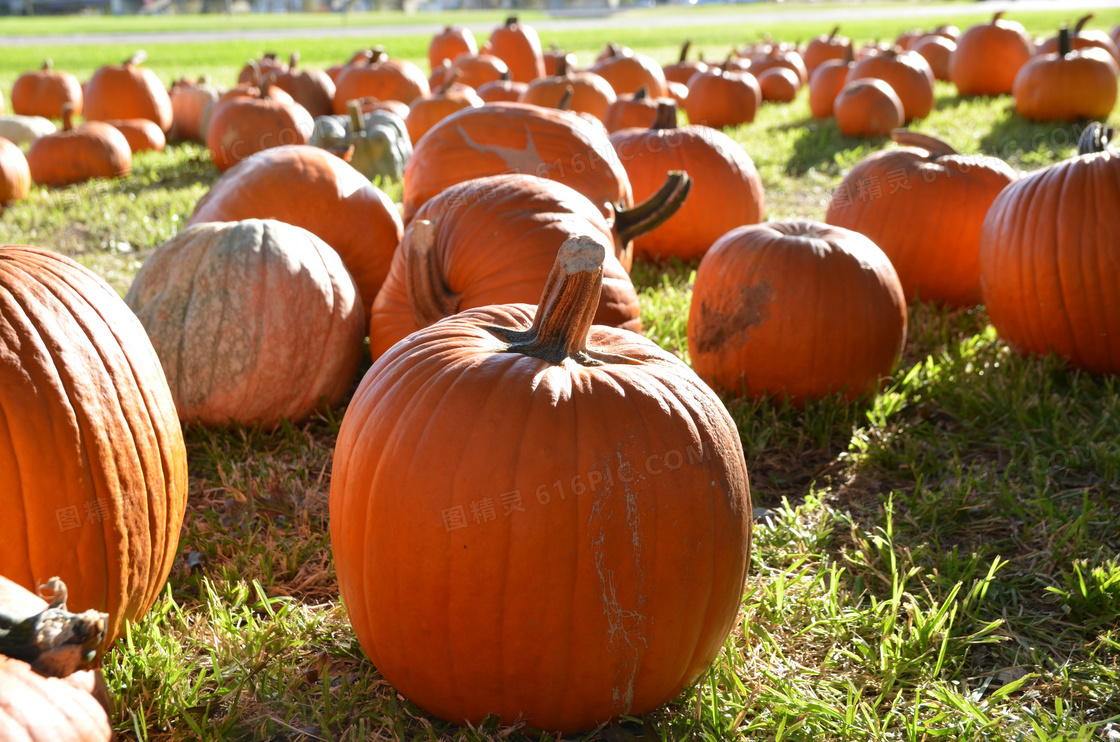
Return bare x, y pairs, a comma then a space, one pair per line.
825, 84
923, 205
778, 85
1067, 85
519, 47
779, 58
382, 78
424, 113
988, 57
518, 138
501, 91
1079, 38
683, 70
628, 72
867, 108
44, 92
128, 91
190, 106
311, 188
824, 48
142, 135
15, 175
629, 583
719, 99
85, 405
936, 50
1055, 289
726, 188
369, 105
494, 243
908, 74
312, 89
762, 291
631, 110
93, 150
256, 322
446, 46
476, 70
591, 94
243, 126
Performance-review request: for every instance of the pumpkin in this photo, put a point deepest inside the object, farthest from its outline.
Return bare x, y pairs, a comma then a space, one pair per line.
384, 78
255, 70
476, 70
312, 89
242, 126
190, 105
25, 129
631, 110
989, 56
576, 488
516, 138
369, 105
42, 93
923, 204
778, 85
1049, 289
936, 50
779, 58
448, 45
85, 405
439, 75
824, 48
873, 49
908, 74
717, 98
1114, 34
493, 241
590, 93
15, 175
770, 301
424, 113
256, 322
726, 188
501, 91
949, 32
1079, 38
906, 39
142, 135
128, 91
683, 69
74, 155
377, 143
678, 92
1067, 84
626, 71
867, 108
519, 46
825, 84
553, 57
359, 58
310, 188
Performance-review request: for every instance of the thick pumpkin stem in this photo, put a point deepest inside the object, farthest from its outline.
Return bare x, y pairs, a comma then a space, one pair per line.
55, 642
448, 81
566, 99
998, 16
1096, 138
293, 60
137, 58
48, 64
567, 307
1064, 44
67, 116
254, 72
362, 55
666, 114
655, 210
684, 49
511, 21
832, 34
1081, 23
642, 93
562, 65
357, 120
936, 147
428, 296
378, 54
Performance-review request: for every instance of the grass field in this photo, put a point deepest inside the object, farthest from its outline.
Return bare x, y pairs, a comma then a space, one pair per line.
939, 562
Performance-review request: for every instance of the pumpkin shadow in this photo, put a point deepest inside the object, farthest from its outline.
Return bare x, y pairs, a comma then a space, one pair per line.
179, 166
1025, 143
820, 142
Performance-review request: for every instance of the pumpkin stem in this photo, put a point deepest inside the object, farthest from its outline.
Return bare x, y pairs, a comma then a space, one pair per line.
613, 50
998, 16
562, 65
1081, 23
655, 210
448, 81
137, 57
511, 21
850, 54
1095, 139
1064, 44
832, 34
47, 64
936, 147
684, 49
566, 99
666, 115
507, 76
67, 116
357, 121
254, 72
428, 296
362, 55
641, 93
378, 54
566, 309
293, 60
54, 642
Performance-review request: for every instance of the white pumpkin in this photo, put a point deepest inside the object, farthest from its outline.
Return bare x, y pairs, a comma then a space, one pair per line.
23, 129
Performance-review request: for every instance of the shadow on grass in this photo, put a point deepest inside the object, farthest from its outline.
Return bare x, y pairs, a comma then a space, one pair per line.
819, 144
1015, 139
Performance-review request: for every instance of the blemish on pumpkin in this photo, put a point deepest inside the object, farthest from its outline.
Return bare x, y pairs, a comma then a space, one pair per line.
751, 309
523, 160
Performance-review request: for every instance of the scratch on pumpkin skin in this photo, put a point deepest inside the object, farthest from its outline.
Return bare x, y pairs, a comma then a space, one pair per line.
524, 161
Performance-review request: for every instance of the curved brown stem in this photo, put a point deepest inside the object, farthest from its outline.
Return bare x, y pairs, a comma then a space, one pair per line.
428, 296
55, 642
566, 99
666, 115
1081, 23
448, 81
832, 34
936, 147
1065, 46
1096, 138
137, 57
998, 16
566, 309
655, 210
684, 49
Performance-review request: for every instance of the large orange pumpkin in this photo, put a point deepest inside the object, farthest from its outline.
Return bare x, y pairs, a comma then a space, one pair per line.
519, 46
244, 125
590, 93
826, 47
501, 91
74, 155
988, 57
1067, 84
631, 110
15, 175
448, 45
382, 78
726, 189
517, 138
718, 98
626, 71
311, 188
476, 70
779, 57
867, 108
936, 50
796, 309
43, 92
1079, 38
584, 558
85, 405
190, 106
778, 84
493, 241
908, 74
312, 89
1049, 288
255, 322
128, 91
424, 113
923, 204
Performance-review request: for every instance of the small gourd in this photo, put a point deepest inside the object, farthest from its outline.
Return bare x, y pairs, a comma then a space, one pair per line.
375, 143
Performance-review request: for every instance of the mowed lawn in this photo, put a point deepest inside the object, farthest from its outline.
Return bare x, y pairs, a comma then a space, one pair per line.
939, 562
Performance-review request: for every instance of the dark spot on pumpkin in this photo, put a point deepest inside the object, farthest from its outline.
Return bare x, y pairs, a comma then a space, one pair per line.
719, 329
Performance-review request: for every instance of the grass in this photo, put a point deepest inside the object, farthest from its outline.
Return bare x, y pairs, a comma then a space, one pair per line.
939, 562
